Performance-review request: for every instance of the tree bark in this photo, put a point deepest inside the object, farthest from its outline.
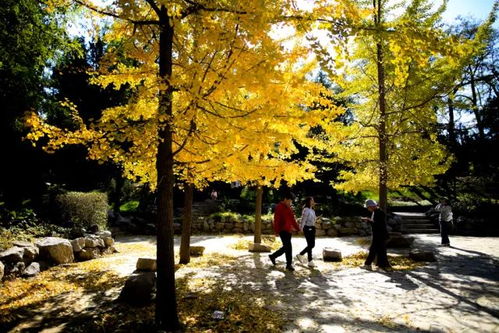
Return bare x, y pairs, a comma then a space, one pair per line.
258, 215
185, 243
166, 302
382, 137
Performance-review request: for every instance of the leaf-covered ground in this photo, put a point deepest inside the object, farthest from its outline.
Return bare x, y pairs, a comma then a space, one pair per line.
454, 294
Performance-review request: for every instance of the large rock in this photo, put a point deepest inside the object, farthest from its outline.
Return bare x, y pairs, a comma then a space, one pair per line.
55, 249
104, 233
146, 265
88, 253
330, 254
32, 270
332, 232
2, 270
12, 255
422, 255
139, 289
76, 245
399, 241
31, 252
258, 247
91, 242
348, 231
196, 251
108, 241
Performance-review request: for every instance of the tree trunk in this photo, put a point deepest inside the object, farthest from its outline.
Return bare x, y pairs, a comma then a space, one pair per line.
382, 137
475, 108
166, 302
185, 243
451, 128
258, 215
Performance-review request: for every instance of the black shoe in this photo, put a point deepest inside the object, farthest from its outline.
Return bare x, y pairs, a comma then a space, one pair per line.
272, 259
290, 268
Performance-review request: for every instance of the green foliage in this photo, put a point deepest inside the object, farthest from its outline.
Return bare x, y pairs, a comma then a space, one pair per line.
84, 209
129, 206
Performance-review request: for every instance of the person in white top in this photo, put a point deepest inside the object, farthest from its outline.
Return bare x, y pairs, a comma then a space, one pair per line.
307, 224
445, 220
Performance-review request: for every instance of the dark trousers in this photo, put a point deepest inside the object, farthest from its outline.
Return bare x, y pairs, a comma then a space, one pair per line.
445, 228
286, 247
378, 251
309, 233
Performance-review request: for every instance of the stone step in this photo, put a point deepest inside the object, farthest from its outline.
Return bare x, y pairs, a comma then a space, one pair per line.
416, 222
421, 231
419, 226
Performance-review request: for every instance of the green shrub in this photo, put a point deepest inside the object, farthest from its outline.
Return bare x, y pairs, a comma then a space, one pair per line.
84, 209
130, 206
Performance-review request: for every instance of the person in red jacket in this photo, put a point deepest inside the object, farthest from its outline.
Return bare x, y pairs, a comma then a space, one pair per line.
284, 225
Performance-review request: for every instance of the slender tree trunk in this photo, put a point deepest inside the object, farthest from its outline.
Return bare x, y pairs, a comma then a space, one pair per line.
382, 137
166, 302
185, 243
258, 215
476, 111
451, 127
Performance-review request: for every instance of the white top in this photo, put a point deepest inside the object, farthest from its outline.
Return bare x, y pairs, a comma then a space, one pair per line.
307, 218
445, 212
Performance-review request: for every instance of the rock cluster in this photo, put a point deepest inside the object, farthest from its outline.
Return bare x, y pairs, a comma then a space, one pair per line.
28, 259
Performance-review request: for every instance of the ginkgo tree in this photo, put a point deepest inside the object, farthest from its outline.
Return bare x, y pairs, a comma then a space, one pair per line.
207, 81
396, 63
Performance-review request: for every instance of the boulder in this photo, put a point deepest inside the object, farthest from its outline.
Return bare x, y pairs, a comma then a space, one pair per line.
2, 270
58, 250
108, 241
104, 233
91, 241
109, 250
31, 252
196, 251
422, 255
146, 265
22, 244
32, 270
12, 255
76, 245
139, 289
348, 231
330, 254
320, 232
332, 232
16, 269
259, 247
399, 241
88, 253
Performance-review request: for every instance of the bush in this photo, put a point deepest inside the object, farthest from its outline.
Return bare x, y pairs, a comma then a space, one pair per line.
83, 209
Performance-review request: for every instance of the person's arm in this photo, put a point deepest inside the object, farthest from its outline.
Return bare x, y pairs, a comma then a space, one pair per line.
304, 217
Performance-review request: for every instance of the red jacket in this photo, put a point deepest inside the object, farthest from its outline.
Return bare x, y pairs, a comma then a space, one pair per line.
284, 219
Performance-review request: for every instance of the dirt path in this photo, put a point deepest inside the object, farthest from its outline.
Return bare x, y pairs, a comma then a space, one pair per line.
458, 293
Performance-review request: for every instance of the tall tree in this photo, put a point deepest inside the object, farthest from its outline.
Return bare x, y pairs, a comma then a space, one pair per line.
403, 64
30, 38
190, 93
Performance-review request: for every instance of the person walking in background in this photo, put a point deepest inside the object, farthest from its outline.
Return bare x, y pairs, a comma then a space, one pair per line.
284, 225
379, 237
444, 219
307, 224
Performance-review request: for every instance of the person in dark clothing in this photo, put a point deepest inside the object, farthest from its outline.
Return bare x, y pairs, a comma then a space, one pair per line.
377, 250
284, 225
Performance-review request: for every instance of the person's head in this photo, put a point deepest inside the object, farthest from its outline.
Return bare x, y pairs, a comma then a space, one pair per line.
309, 202
444, 201
287, 197
371, 205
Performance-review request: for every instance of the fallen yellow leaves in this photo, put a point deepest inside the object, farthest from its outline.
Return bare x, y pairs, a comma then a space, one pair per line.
398, 262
